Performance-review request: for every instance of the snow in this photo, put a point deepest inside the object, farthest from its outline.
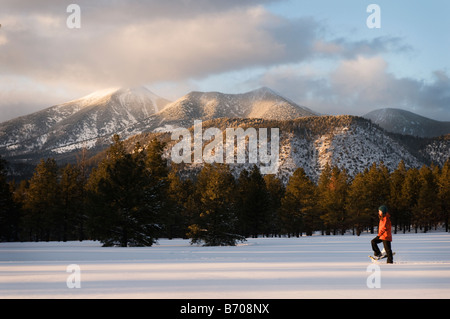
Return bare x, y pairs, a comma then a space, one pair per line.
64, 127
166, 128
261, 103
288, 268
96, 97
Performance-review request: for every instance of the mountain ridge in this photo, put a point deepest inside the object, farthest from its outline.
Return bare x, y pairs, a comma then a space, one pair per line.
349, 142
61, 131
196, 105
248, 104
407, 123
79, 122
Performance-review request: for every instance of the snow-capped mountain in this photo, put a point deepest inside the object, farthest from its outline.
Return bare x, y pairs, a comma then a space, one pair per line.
261, 103
349, 142
306, 139
81, 122
405, 122
91, 120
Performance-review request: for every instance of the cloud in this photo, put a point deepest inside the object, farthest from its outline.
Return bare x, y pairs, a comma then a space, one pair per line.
131, 50
127, 43
135, 42
139, 42
21, 95
433, 99
343, 48
359, 85
366, 83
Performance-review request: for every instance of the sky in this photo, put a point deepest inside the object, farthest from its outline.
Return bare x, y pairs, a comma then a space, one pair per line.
320, 54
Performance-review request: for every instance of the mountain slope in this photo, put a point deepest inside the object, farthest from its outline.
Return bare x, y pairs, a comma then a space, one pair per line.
78, 123
261, 103
404, 122
350, 142
306, 140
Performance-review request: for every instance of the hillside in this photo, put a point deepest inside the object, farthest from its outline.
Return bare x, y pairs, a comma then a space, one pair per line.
261, 103
404, 122
349, 142
79, 123
306, 139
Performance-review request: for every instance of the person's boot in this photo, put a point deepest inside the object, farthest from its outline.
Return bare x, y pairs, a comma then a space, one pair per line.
390, 259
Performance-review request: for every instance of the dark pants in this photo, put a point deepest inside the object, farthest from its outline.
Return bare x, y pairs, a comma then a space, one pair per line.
387, 248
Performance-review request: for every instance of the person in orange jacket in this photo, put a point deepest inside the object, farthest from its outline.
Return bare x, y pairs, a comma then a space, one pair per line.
384, 234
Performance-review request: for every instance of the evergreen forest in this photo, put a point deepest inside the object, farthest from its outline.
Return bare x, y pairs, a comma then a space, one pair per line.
134, 198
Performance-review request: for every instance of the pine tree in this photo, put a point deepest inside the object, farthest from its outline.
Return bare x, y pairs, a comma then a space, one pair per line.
155, 161
378, 189
397, 208
83, 167
298, 206
243, 209
276, 191
333, 196
169, 217
444, 193
124, 199
410, 194
217, 223
438, 214
19, 194
72, 202
9, 212
322, 191
253, 203
43, 219
427, 202
178, 213
358, 206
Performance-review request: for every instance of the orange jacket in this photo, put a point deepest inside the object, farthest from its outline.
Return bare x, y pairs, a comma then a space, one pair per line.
384, 228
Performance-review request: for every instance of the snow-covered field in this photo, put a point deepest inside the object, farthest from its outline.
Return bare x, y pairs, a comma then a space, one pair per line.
306, 267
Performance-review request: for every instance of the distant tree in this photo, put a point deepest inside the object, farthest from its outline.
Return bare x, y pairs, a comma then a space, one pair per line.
443, 182
332, 201
42, 203
377, 188
276, 190
124, 199
427, 208
81, 180
154, 160
410, 194
19, 194
358, 205
252, 203
169, 218
438, 214
177, 213
9, 212
72, 202
298, 206
217, 223
397, 208
322, 191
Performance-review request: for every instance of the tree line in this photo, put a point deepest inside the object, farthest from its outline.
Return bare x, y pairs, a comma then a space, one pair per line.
132, 199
